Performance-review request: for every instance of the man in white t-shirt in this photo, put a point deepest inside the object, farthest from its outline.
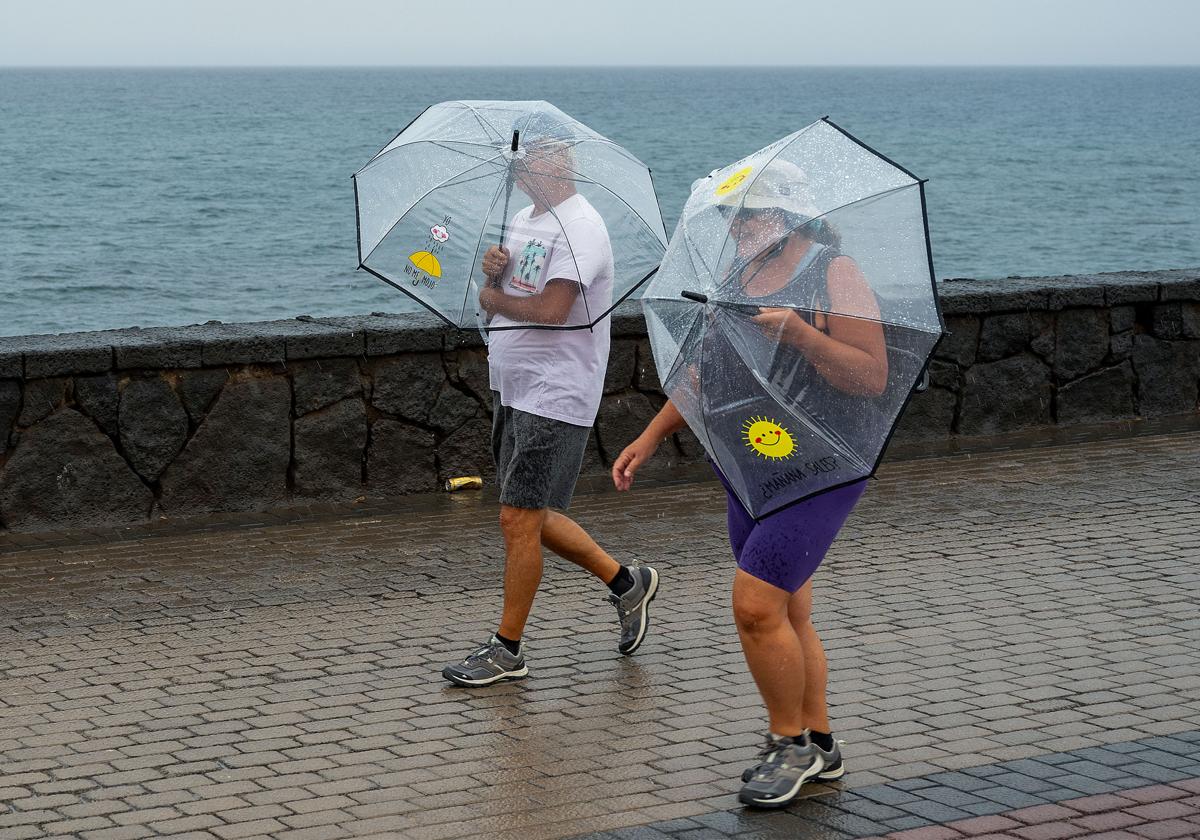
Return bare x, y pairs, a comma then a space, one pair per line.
555, 270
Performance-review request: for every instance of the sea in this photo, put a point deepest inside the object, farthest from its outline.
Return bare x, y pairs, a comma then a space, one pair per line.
153, 197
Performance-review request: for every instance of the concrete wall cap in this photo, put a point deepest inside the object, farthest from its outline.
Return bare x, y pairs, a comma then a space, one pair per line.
383, 334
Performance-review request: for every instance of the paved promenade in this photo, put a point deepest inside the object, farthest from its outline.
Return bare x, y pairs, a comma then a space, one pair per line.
1014, 641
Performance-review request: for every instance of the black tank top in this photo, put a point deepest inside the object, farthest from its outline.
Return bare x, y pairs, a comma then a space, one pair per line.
809, 284
787, 369
807, 293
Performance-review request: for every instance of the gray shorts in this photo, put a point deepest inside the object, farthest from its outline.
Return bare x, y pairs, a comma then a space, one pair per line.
537, 459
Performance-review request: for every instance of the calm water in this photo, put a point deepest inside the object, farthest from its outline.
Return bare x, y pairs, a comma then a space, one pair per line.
156, 197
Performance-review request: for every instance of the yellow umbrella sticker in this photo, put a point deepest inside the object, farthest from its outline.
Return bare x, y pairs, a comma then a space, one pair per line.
427, 262
734, 181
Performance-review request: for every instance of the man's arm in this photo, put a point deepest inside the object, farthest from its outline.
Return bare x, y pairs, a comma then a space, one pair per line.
551, 306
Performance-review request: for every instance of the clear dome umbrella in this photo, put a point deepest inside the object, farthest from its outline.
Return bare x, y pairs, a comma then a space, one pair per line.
795, 312
465, 176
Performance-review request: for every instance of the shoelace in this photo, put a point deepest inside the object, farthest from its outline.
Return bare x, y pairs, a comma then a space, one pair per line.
484, 652
766, 756
615, 600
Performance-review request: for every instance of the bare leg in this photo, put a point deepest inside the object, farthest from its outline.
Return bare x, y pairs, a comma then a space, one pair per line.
816, 667
772, 649
522, 529
564, 537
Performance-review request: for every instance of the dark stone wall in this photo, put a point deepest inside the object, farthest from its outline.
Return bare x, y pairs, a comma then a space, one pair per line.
115, 427
1025, 353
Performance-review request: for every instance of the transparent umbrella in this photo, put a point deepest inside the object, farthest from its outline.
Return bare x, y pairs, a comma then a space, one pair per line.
794, 313
576, 212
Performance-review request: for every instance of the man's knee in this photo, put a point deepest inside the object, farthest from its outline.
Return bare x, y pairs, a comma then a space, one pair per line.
515, 522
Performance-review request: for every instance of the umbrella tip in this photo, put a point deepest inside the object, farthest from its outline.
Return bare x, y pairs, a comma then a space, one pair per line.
696, 296
516, 137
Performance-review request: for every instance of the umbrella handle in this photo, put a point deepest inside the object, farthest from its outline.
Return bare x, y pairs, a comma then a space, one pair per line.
507, 195
750, 309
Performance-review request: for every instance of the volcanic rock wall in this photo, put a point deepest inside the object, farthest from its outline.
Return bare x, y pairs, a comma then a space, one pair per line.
114, 427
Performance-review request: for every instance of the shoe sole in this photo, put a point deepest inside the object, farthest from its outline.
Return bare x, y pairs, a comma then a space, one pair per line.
823, 776
507, 675
830, 775
650, 595
777, 801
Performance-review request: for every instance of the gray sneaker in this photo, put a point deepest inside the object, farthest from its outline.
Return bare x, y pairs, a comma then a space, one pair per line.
833, 769
633, 608
785, 764
832, 763
491, 663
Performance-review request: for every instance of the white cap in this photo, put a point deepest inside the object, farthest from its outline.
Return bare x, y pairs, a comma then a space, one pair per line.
782, 185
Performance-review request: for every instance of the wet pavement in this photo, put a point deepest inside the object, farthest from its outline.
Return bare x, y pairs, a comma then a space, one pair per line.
1013, 636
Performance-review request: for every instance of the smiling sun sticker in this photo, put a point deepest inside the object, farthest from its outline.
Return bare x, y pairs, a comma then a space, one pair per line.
768, 438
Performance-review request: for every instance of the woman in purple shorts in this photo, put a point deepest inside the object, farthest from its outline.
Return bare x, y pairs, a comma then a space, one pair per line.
776, 556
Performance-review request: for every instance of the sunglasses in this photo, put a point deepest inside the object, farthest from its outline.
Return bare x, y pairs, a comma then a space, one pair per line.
739, 215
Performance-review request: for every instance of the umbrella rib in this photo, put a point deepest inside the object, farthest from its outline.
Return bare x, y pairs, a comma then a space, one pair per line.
691, 254
587, 310
439, 143
568, 327
729, 280
690, 251
873, 151
478, 244
745, 192
679, 356
738, 307
824, 432
581, 178
822, 215
570, 250
584, 179
390, 282
406, 292
475, 113
937, 300
617, 147
621, 198
397, 135
700, 390
422, 197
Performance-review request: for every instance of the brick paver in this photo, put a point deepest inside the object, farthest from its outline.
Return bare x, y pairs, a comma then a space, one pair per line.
1012, 636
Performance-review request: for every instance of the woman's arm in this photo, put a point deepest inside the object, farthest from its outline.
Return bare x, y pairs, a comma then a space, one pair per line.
667, 422
853, 356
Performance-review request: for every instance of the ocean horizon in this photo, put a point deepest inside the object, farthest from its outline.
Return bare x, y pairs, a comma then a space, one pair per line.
152, 196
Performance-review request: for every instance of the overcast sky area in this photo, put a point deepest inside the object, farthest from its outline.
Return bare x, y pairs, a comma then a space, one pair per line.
598, 32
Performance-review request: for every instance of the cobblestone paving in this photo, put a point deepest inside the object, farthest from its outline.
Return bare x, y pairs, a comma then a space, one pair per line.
987, 617
1135, 789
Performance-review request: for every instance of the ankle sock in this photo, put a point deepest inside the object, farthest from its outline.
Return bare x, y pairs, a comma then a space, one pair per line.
514, 646
622, 582
824, 740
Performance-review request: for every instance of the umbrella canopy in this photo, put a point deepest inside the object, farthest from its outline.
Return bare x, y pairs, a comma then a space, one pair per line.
465, 176
795, 312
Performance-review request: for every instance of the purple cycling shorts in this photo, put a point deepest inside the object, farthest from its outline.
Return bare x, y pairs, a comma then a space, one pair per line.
785, 548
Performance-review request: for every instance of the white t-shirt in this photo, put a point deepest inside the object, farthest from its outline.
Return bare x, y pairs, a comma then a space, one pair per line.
555, 373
